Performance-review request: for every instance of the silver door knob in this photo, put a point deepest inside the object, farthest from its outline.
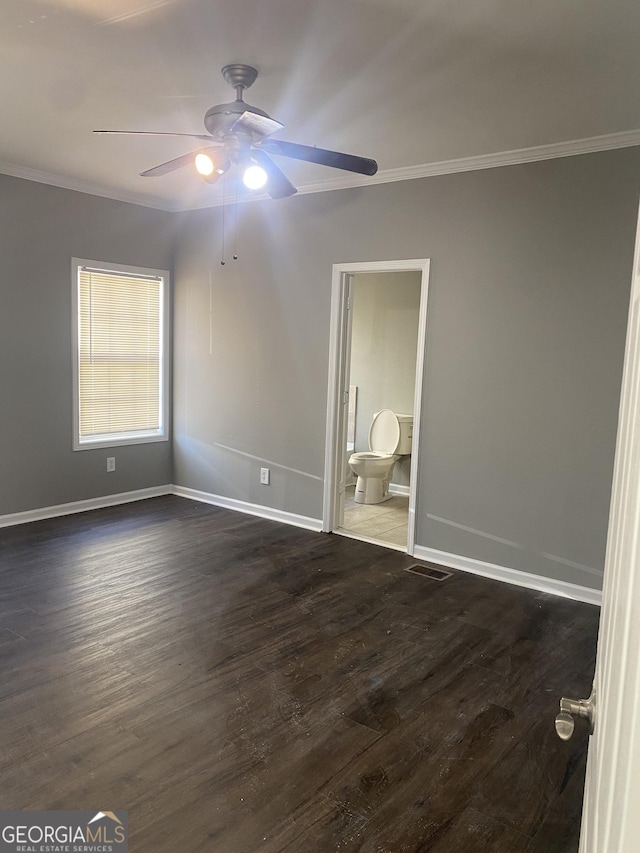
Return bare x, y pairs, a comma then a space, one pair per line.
570, 708
565, 724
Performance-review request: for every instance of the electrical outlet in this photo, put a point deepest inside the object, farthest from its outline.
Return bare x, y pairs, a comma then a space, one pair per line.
264, 476
111, 463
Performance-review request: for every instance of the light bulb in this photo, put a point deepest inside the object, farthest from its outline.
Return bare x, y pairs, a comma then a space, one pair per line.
254, 177
204, 164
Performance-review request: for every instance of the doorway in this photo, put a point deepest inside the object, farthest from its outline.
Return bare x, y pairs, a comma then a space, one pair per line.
369, 288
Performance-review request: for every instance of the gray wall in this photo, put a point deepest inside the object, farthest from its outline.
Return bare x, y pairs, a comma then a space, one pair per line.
384, 339
530, 276
41, 229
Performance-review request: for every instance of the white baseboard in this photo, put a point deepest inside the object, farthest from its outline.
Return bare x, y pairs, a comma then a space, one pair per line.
399, 490
83, 506
154, 492
512, 576
443, 558
267, 512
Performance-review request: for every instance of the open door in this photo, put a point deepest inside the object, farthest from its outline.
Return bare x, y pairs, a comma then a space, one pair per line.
611, 814
336, 465
342, 466
338, 402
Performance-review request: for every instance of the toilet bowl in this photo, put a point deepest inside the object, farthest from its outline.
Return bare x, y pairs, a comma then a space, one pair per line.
389, 438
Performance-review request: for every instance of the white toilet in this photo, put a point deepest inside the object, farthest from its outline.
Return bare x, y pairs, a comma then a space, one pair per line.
389, 438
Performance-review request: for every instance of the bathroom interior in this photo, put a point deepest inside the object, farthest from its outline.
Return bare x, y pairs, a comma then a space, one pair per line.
384, 340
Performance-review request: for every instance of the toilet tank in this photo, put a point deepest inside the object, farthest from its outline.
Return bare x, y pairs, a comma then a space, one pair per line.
406, 434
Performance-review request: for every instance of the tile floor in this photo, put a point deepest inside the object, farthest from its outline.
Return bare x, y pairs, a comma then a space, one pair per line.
385, 522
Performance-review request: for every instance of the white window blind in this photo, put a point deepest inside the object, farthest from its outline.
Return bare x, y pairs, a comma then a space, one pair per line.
120, 357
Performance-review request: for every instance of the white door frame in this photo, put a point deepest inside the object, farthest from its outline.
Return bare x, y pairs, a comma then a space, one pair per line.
611, 818
337, 399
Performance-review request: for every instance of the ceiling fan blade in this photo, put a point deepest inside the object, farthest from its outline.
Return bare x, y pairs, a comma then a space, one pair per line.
172, 165
254, 123
278, 184
210, 139
348, 162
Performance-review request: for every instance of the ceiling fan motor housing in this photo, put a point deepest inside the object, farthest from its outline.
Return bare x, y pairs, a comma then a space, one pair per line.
219, 119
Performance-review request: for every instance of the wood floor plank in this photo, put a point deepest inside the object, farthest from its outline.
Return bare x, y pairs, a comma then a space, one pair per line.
505, 791
473, 832
240, 685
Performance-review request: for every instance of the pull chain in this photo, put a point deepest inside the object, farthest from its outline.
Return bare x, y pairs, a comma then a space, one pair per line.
235, 221
224, 184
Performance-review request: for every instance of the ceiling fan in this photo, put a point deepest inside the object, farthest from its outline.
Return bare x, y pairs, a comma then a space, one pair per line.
238, 136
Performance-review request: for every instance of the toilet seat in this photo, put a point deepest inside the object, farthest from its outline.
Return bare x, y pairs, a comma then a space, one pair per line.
371, 454
384, 432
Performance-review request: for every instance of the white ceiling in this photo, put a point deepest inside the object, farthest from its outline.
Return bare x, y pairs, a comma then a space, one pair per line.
407, 82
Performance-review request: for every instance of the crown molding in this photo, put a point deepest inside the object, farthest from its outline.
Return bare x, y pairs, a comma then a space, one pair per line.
607, 142
572, 148
626, 139
78, 185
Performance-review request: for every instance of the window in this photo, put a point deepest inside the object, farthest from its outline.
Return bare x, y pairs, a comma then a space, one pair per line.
120, 359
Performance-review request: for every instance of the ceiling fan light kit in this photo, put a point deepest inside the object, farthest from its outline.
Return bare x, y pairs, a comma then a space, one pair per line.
204, 164
254, 177
237, 136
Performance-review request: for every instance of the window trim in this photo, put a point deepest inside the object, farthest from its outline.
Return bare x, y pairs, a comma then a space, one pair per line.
115, 439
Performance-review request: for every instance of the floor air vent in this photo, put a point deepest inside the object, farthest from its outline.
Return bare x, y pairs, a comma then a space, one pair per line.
429, 572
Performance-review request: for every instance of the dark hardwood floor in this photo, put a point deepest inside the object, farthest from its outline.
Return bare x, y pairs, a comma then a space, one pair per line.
239, 685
